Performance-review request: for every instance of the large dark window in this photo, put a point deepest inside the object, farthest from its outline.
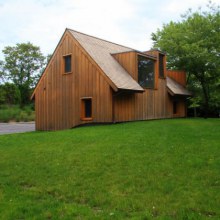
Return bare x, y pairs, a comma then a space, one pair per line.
86, 113
67, 64
145, 72
161, 65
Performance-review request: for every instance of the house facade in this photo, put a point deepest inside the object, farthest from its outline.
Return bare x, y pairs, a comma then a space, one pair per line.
90, 80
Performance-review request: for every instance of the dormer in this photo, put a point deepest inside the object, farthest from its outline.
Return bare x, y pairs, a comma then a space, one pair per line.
144, 67
161, 61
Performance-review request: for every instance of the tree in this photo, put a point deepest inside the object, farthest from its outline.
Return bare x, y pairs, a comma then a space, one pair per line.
1, 72
193, 44
23, 64
9, 94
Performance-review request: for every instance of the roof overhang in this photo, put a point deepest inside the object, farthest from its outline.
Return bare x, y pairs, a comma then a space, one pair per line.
131, 90
176, 89
138, 53
155, 50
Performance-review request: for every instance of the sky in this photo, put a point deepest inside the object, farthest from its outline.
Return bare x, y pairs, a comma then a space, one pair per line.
126, 22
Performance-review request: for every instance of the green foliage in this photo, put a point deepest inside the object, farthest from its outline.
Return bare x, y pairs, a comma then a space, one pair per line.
15, 113
22, 66
48, 57
193, 45
1, 72
9, 94
2, 95
164, 169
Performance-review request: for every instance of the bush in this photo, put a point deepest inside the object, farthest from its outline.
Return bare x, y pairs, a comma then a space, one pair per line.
15, 113
9, 94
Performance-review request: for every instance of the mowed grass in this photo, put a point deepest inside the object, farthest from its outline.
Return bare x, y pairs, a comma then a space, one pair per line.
164, 169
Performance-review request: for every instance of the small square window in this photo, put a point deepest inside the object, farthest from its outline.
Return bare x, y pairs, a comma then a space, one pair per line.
67, 64
86, 109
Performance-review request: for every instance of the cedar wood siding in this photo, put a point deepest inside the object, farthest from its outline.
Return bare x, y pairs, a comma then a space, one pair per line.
58, 95
177, 75
152, 103
180, 77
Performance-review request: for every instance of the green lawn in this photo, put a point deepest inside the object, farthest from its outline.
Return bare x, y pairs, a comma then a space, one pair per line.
163, 169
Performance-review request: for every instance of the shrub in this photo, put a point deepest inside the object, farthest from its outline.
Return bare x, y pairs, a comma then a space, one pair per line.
9, 94
15, 113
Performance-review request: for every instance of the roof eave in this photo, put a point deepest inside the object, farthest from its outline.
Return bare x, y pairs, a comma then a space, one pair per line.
33, 94
132, 90
178, 94
138, 53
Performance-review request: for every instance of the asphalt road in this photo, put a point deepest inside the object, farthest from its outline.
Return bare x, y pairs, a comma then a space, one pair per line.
20, 127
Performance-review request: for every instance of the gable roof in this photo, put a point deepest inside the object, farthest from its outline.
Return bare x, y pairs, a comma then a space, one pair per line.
174, 88
100, 51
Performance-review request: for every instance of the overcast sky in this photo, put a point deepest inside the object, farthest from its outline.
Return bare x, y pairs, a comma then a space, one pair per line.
127, 22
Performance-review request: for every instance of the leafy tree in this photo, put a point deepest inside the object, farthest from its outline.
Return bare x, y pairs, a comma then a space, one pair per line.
23, 64
193, 44
48, 57
9, 94
2, 95
1, 72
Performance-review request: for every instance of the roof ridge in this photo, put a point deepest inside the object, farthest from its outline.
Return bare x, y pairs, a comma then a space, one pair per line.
69, 29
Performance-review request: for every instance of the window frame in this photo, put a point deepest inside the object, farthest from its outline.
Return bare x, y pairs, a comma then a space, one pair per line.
154, 66
64, 64
83, 109
163, 65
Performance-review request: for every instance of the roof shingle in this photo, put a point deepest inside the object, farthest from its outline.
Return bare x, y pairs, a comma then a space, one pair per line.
175, 88
100, 51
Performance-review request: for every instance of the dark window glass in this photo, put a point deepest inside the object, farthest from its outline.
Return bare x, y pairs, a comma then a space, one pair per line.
145, 72
175, 107
67, 64
88, 108
161, 65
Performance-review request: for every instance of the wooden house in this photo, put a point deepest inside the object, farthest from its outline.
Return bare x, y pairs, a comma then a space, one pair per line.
90, 80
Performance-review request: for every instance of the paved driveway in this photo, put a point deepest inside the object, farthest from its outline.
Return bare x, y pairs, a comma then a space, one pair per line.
9, 128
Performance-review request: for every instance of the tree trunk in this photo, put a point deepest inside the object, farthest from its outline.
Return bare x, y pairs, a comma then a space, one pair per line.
195, 114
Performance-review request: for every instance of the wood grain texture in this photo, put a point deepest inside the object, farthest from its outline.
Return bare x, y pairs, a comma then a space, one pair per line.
152, 104
58, 96
177, 75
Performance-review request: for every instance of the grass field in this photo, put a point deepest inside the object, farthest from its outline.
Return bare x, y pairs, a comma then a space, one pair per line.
164, 169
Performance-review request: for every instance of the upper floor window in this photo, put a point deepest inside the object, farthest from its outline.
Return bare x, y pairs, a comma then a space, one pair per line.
146, 72
67, 64
161, 65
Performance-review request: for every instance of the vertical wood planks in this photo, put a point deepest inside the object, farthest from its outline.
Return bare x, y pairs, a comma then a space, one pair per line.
58, 96
177, 75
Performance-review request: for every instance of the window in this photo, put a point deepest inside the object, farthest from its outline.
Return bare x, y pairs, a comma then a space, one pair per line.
67, 64
161, 65
86, 111
145, 72
175, 104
